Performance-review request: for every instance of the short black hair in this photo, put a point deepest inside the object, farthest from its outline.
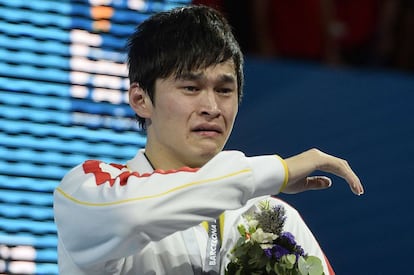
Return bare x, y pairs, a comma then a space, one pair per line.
179, 41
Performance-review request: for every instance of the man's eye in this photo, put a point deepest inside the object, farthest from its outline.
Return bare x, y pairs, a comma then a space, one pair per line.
191, 88
225, 90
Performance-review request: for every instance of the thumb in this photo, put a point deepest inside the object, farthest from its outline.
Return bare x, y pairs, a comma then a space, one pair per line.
317, 183
308, 183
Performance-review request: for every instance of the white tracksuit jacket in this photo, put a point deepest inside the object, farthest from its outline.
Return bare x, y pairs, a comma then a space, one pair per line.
130, 219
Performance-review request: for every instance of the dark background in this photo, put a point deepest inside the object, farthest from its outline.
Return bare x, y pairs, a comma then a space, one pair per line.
365, 117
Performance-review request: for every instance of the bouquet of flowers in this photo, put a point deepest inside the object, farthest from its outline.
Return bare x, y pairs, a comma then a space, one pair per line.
264, 248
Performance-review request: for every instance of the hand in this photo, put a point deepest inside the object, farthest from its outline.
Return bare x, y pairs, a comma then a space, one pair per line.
300, 166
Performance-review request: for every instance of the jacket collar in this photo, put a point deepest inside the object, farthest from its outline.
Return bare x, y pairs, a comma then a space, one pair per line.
140, 163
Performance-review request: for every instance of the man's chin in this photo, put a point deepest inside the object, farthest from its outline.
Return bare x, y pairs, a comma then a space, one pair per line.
205, 155
209, 154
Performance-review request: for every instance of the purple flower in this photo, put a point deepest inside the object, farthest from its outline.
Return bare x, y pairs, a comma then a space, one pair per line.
299, 251
279, 251
268, 252
289, 238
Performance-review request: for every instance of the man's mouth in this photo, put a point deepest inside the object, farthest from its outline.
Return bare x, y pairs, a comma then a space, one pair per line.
208, 128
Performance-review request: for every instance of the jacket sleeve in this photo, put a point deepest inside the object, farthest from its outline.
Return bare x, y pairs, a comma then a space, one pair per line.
106, 212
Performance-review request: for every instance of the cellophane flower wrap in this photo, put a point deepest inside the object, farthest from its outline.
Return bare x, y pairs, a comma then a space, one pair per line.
265, 248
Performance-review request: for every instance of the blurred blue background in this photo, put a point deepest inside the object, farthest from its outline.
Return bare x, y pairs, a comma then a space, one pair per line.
63, 100
365, 117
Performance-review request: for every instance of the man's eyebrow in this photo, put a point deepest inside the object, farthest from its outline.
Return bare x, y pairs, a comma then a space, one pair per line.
190, 76
228, 78
224, 78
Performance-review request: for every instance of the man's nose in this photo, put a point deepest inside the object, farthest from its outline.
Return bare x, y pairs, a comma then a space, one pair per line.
209, 104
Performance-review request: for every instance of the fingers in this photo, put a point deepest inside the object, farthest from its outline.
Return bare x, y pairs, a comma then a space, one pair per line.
342, 169
353, 181
308, 183
318, 182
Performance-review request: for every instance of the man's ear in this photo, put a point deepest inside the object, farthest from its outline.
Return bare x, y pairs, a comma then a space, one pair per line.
139, 101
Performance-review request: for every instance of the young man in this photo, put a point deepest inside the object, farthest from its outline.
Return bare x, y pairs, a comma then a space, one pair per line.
185, 69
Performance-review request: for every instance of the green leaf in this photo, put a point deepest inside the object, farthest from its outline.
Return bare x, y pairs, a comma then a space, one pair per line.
264, 205
280, 270
232, 269
302, 265
291, 258
256, 251
242, 230
315, 265
310, 266
287, 262
268, 267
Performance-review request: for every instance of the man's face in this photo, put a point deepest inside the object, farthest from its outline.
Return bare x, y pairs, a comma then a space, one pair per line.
192, 116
